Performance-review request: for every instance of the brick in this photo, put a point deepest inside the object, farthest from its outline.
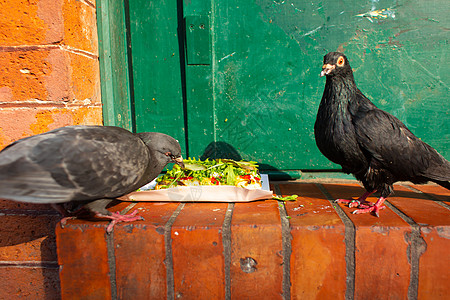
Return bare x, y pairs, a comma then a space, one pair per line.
48, 74
34, 283
256, 251
45, 22
27, 22
139, 249
83, 259
198, 253
434, 273
318, 266
25, 74
22, 206
419, 207
28, 238
381, 249
85, 78
80, 25
434, 221
19, 123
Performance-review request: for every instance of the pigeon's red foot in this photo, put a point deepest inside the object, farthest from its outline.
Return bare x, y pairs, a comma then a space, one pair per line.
66, 214
64, 220
361, 201
351, 202
373, 208
116, 217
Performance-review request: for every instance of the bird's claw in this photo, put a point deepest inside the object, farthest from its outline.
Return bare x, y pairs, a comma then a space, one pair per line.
354, 203
374, 209
116, 217
351, 203
63, 221
345, 201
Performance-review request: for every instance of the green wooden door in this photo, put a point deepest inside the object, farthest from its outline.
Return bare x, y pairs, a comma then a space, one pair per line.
241, 78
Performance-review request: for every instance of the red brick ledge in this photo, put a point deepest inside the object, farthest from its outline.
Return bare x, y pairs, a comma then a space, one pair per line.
309, 248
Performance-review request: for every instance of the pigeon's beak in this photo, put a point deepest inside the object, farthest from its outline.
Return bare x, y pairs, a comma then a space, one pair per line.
326, 69
179, 161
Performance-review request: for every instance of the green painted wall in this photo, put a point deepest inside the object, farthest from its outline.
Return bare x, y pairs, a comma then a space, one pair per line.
257, 96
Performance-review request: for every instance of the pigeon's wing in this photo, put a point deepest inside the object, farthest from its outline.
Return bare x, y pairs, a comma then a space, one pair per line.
387, 140
22, 179
72, 164
116, 158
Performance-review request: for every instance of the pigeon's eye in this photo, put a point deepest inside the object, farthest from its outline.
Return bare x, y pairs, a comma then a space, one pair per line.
340, 61
171, 156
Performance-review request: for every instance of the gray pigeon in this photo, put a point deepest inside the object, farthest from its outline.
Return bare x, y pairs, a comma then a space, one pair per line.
86, 165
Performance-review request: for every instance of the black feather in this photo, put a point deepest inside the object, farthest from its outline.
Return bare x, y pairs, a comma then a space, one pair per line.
370, 143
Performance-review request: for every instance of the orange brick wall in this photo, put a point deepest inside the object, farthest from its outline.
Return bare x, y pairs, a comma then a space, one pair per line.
311, 248
49, 71
49, 77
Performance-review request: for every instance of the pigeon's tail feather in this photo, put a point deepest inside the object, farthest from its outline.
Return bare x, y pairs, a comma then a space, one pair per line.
440, 174
439, 170
33, 198
33, 189
34, 195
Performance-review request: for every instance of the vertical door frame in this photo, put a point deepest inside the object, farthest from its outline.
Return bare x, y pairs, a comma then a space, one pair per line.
114, 64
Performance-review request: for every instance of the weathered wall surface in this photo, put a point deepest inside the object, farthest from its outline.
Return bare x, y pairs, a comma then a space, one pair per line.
49, 72
49, 77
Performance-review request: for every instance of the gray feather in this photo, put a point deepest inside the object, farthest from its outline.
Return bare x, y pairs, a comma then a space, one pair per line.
82, 163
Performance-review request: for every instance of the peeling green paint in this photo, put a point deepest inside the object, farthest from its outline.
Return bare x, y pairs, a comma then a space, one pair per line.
263, 80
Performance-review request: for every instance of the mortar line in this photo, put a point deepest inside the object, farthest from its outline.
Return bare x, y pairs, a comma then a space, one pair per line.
429, 196
30, 264
111, 263
350, 244
22, 105
88, 3
49, 47
168, 261
413, 250
29, 212
128, 208
226, 241
287, 246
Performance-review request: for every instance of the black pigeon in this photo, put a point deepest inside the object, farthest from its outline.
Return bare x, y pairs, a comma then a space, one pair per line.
87, 165
373, 145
